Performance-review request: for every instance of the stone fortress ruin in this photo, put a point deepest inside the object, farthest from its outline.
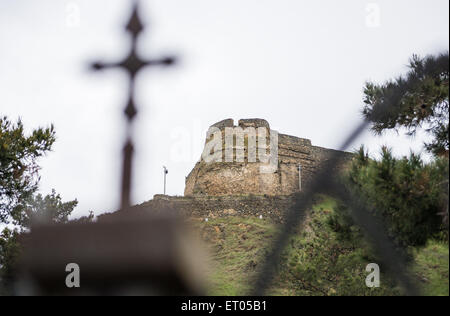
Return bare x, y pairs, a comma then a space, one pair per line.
245, 170
290, 161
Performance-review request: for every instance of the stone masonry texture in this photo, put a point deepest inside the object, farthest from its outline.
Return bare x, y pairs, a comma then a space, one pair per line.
234, 178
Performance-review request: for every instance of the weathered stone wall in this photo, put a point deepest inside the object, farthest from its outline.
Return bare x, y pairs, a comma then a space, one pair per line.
231, 178
236, 178
271, 207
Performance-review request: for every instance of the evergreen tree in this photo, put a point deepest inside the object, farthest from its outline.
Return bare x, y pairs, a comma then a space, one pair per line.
19, 178
419, 99
18, 163
48, 209
409, 194
10, 250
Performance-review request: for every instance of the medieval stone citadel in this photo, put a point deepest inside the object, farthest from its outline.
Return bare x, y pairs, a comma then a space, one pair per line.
296, 161
230, 179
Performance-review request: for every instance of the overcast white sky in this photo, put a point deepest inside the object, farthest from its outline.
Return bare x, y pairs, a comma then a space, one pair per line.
299, 64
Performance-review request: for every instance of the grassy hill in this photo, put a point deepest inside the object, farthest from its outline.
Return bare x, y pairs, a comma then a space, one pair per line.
327, 257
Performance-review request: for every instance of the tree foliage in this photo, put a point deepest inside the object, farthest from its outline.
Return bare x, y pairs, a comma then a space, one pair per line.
419, 99
10, 250
19, 178
47, 209
18, 163
410, 195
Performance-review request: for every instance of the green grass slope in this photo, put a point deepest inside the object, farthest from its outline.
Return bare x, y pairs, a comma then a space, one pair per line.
431, 268
327, 257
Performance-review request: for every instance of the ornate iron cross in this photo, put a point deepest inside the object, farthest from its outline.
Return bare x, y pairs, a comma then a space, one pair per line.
132, 64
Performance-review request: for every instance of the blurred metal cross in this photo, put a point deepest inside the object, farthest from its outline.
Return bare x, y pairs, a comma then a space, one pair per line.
132, 64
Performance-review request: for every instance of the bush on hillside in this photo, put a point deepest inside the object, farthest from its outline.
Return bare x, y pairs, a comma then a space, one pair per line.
409, 194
